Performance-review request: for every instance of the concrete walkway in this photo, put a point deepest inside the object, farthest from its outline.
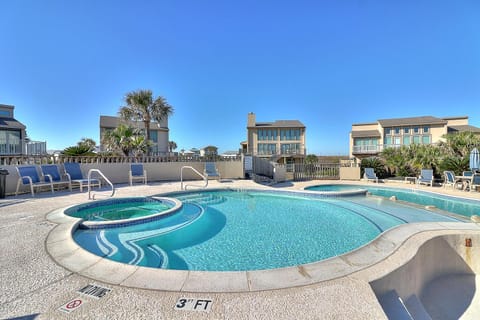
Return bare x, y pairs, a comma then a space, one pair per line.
34, 286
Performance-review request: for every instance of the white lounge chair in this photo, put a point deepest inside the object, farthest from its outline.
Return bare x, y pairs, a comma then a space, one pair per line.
211, 170
426, 177
28, 175
137, 172
369, 174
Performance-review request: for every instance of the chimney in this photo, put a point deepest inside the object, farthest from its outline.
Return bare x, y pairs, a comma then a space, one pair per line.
251, 120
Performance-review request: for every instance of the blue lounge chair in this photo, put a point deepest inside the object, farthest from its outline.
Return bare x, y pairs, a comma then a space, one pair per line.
475, 183
211, 170
28, 175
369, 174
137, 172
74, 173
426, 177
451, 181
51, 173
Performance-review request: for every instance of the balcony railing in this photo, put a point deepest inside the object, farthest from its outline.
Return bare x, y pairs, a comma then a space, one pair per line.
367, 149
373, 149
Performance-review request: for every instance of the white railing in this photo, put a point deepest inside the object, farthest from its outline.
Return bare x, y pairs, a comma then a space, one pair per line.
89, 178
205, 179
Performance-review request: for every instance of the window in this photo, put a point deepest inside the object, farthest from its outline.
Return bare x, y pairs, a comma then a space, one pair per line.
396, 141
267, 135
426, 129
406, 139
406, 130
426, 139
388, 130
388, 141
5, 113
397, 130
290, 148
154, 136
266, 148
416, 139
10, 142
416, 130
289, 134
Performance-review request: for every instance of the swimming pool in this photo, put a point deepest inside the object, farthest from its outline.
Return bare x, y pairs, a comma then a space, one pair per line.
460, 206
252, 230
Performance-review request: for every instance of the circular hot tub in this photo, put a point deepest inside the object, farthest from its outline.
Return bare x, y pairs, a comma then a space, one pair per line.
337, 190
123, 211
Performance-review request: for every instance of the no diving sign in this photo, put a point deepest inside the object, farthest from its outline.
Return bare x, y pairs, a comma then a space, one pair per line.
72, 305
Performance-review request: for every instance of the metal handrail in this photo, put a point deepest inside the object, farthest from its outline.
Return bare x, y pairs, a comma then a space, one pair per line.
192, 185
89, 184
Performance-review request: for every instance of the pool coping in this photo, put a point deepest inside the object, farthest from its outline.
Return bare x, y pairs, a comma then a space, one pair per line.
68, 254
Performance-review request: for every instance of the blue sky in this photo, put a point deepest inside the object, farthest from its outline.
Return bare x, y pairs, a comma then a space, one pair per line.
326, 63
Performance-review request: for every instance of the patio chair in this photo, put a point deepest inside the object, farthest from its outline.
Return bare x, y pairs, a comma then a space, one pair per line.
211, 170
426, 177
450, 180
137, 172
475, 183
51, 173
28, 175
74, 173
369, 174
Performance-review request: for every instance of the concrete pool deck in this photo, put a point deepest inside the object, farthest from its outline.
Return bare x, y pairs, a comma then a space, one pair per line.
34, 283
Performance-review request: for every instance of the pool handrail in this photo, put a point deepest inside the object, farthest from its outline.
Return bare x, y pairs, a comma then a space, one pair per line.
182, 187
89, 179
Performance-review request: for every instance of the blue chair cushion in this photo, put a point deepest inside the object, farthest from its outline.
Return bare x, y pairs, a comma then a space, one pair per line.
29, 171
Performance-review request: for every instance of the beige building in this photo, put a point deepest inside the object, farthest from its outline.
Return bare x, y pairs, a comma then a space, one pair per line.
159, 132
282, 141
369, 139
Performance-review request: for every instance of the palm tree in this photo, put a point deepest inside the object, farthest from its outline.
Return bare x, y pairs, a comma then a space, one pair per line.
459, 144
172, 145
140, 106
121, 139
88, 142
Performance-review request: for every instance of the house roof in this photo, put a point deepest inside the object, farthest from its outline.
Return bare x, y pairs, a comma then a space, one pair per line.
280, 124
10, 123
366, 133
462, 128
113, 122
412, 121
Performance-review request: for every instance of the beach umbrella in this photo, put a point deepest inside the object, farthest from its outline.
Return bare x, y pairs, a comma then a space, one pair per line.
474, 159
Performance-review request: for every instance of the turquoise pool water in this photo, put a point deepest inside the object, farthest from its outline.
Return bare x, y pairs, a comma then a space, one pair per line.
460, 206
252, 230
119, 209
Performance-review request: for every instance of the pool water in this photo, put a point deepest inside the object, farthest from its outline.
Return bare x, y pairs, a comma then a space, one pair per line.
460, 206
126, 208
252, 230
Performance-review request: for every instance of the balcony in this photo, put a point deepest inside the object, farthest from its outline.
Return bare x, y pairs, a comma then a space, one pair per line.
367, 149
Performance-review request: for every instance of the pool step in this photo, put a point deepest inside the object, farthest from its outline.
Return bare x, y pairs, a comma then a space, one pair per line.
202, 199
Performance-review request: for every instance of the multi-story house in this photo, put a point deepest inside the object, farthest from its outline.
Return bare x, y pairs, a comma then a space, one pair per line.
158, 132
282, 141
210, 152
12, 133
369, 139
